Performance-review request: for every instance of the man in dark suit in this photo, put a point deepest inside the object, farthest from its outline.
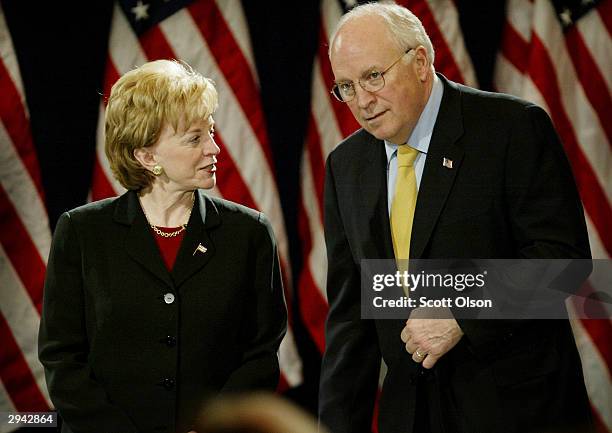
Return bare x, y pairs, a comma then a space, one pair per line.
490, 180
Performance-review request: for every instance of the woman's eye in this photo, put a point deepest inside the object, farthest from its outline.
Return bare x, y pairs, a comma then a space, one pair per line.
195, 139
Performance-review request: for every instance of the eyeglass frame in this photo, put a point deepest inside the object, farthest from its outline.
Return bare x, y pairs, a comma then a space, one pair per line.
382, 75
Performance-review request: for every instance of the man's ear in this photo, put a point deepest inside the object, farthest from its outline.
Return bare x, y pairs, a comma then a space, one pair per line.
422, 63
145, 157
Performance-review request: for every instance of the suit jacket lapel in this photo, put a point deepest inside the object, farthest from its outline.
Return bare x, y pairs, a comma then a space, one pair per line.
373, 192
437, 179
197, 247
139, 242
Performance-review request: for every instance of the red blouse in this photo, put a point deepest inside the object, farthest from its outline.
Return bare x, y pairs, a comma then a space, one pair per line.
168, 247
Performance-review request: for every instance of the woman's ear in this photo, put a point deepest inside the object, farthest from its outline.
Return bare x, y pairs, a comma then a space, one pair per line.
145, 157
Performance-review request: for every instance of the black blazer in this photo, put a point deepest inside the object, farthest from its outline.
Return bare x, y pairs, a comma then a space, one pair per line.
128, 346
510, 194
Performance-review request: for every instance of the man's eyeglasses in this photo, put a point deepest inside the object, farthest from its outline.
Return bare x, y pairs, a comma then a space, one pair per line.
373, 82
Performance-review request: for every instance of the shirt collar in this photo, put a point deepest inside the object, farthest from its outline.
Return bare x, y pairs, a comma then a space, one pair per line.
421, 135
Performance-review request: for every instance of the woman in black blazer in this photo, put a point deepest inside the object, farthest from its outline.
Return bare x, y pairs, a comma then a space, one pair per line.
163, 297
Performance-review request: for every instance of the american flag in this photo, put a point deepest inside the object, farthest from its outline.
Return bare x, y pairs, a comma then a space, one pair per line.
211, 36
330, 121
559, 55
25, 239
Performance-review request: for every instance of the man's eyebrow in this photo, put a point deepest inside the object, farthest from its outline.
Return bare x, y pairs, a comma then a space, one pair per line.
364, 74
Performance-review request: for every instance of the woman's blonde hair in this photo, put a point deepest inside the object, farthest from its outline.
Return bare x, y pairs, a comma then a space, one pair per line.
141, 102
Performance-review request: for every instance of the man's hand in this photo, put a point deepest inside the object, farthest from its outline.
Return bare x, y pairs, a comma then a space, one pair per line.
427, 340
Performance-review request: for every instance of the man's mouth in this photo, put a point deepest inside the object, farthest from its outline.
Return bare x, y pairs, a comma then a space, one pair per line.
375, 116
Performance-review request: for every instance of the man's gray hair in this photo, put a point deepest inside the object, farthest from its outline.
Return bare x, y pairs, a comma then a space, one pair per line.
406, 29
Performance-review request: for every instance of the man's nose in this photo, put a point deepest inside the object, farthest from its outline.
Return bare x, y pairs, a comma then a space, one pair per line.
363, 97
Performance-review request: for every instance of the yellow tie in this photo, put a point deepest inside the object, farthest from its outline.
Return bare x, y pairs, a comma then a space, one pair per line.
404, 202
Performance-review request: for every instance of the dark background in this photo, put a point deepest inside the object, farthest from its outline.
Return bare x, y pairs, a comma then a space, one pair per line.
62, 46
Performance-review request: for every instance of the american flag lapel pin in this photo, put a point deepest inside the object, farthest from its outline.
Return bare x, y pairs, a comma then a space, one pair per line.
200, 248
448, 163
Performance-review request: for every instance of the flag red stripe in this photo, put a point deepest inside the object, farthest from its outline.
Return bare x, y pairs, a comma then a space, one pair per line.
230, 183
100, 186
344, 118
515, 49
21, 250
605, 13
155, 45
445, 60
233, 65
599, 331
17, 126
16, 375
313, 308
593, 196
110, 77
600, 427
591, 79
283, 385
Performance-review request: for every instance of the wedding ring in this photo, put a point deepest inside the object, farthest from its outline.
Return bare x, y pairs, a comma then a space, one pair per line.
419, 354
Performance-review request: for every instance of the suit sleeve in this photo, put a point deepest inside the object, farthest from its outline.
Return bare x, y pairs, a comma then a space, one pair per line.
351, 363
543, 208
63, 346
267, 323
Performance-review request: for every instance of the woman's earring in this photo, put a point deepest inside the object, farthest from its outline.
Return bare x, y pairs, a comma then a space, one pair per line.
157, 170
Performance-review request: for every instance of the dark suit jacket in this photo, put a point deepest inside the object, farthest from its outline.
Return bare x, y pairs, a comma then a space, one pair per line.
510, 194
117, 356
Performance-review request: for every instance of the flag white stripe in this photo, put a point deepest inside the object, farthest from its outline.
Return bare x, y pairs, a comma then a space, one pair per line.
507, 78
519, 14
596, 373
533, 93
317, 261
597, 249
9, 59
330, 15
101, 156
20, 189
597, 39
124, 47
242, 144
447, 19
289, 359
6, 405
234, 17
326, 123
23, 319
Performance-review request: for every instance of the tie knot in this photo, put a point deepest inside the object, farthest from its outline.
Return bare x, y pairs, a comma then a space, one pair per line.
406, 155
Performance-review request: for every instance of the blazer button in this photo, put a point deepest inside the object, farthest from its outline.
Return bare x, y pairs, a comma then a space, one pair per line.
170, 341
168, 383
169, 298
